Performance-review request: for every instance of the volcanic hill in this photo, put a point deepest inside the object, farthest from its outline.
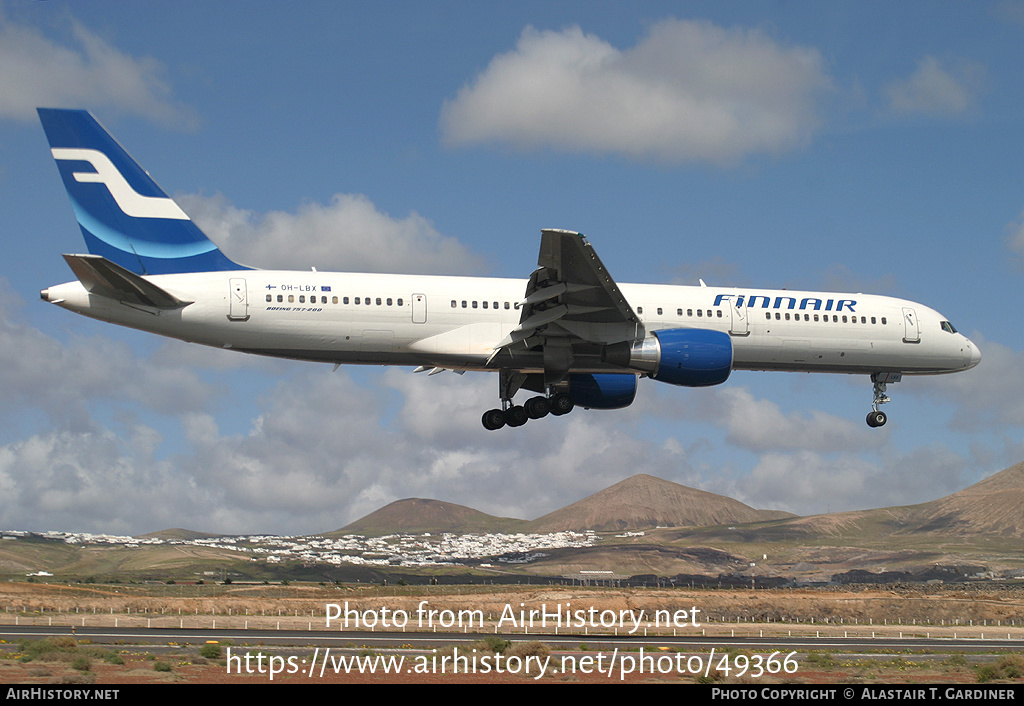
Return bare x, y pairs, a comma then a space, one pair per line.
418, 515
645, 502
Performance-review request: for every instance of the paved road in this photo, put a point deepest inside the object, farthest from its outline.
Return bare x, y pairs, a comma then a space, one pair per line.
427, 640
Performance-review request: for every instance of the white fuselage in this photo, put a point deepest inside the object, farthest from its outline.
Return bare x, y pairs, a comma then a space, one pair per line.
456, 322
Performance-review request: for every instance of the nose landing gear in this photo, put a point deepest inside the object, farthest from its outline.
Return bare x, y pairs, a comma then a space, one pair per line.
876, 417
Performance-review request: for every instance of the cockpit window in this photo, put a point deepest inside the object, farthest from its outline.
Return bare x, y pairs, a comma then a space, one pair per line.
948, 327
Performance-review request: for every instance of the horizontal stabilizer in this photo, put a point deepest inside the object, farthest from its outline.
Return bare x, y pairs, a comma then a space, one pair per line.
104, 278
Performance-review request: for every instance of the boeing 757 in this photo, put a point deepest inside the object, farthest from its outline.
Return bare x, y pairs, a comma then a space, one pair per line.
569, 333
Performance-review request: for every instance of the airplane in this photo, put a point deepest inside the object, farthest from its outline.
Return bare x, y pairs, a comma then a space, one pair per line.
569, 333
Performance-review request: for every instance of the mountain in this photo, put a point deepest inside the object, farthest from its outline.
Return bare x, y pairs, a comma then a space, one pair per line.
994, 506
992, 509
418, 515
646, 502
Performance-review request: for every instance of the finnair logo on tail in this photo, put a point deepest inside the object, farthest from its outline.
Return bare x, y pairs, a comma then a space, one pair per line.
128, 199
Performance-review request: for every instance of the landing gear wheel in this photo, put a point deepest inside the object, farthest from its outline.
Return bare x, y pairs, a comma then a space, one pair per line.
537, 407
561, 404
516, 416
493, 419
876, 418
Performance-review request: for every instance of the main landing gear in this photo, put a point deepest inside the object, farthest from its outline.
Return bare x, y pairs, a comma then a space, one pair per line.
513, 415
876, 417
535, 408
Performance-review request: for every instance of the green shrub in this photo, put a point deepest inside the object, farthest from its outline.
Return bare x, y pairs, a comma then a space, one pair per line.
528, 649
210, 651
492, 643
1009, 667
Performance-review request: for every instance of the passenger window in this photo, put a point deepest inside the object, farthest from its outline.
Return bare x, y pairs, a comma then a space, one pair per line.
399, 302
389, 301
719, 313
334, 300
659, 311
280, 297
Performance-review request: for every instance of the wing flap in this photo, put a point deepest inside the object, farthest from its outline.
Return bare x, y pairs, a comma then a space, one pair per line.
571, 298
571, 287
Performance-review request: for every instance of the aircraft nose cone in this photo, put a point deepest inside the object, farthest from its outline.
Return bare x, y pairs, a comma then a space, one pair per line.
975, 354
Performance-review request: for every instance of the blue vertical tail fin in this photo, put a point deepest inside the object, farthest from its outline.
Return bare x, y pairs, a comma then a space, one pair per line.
124, 216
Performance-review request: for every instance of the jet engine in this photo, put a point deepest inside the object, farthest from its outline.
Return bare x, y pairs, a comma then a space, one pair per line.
602, 390
681, 356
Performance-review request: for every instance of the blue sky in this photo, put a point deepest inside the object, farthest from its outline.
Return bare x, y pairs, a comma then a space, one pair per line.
858, 146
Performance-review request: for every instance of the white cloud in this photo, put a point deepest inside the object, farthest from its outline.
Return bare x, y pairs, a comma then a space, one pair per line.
92, 481
81, 69
689, 91
760, 425
1015, 236
934, 89
990, 396
348, 235
806, 482
41, 372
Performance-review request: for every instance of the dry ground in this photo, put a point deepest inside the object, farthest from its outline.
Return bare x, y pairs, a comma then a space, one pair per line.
965, 610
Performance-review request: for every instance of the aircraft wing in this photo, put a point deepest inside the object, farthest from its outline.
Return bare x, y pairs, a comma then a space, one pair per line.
570, 299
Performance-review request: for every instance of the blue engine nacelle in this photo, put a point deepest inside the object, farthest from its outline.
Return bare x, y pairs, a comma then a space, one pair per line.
693, 357
680, 356
602, 391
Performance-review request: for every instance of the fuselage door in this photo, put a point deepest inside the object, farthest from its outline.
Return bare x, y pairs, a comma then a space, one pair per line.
740, 325
911, 326
238, 300
419, 308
